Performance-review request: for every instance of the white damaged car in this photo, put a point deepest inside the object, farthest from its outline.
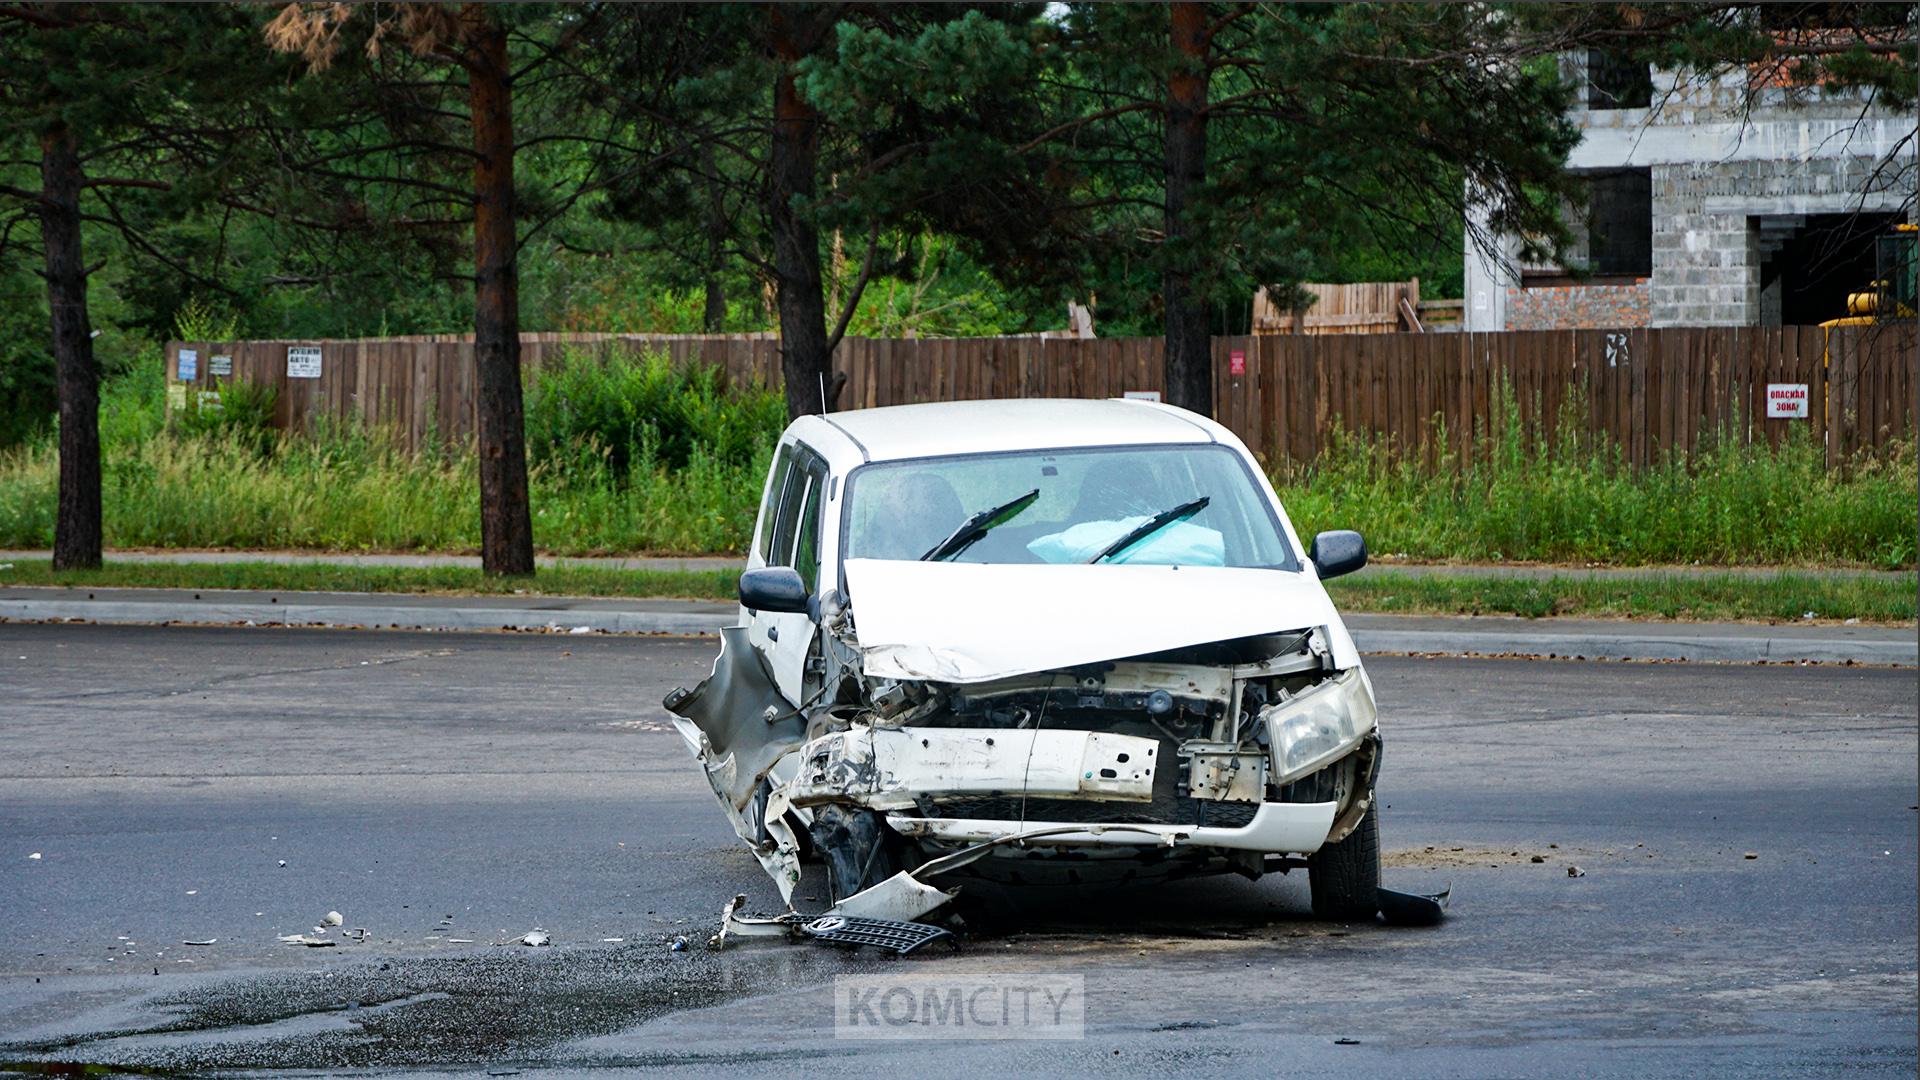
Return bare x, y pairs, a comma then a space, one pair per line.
1037, 639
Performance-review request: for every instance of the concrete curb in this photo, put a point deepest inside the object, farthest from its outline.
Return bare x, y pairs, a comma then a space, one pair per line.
1651, 643
362, 615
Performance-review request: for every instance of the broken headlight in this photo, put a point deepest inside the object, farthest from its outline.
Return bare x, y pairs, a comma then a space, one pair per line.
1318, 725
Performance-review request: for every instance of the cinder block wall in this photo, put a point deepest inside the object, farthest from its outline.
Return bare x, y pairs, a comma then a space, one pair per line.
1706, 267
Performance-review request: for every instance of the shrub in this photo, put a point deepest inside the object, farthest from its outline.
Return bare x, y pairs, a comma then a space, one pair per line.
621, 410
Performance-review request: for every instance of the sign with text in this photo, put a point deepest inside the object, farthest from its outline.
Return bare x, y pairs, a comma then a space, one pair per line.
1237, 362
189, 365
1141, 395
220, 365
1786, 400
303, 361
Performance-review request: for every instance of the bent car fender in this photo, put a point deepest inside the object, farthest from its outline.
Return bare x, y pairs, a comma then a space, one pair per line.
741, 726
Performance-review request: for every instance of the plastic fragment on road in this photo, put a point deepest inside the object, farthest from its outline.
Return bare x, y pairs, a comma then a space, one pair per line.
35, 856
200, 941
1574, 871
332, 918
581, 630
535, 936
309, 941
1412, 909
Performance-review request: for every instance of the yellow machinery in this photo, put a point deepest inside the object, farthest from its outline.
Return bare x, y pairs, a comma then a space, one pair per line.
1892, 294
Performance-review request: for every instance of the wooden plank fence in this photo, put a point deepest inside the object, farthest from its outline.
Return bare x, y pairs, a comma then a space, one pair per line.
1655, 392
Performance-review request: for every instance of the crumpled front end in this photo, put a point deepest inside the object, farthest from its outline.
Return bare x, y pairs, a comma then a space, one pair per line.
1246, 754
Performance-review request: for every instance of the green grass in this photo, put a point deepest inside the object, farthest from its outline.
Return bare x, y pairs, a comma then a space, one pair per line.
1784, 597
633, 457
1567, 500
341, 577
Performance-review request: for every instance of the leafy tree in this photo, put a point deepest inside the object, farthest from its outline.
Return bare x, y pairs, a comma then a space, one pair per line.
118, 117
451, 59
1238, 144
880, 123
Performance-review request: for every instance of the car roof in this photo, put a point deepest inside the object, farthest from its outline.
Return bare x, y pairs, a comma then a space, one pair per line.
938, 429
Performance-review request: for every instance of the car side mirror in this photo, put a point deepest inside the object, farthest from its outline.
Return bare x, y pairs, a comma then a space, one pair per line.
1338, 551
773, 588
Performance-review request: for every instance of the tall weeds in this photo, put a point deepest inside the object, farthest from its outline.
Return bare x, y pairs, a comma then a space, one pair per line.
1573, 498
632, 455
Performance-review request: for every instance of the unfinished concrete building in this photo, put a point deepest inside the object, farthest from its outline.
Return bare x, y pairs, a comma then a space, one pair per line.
1733, 201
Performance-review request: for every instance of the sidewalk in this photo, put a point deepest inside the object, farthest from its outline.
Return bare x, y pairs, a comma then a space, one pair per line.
1438, 635
728, 562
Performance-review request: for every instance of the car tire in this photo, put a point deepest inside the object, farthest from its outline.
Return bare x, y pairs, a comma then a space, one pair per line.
1344, 878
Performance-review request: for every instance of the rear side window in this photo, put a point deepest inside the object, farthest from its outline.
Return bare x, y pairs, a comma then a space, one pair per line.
795, 530
806, 546
770, 513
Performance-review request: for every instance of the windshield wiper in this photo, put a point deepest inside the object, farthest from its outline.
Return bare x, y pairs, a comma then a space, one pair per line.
1152, 525
977, 526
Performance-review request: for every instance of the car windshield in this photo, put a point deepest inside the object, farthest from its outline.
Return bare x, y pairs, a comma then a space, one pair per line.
1088, 501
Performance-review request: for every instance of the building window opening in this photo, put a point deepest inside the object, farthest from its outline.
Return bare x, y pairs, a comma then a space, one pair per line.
1620, 223
1617, 81
1811, 264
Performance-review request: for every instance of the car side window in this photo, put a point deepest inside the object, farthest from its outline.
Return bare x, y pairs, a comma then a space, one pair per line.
806, 550
796, 523
770, 514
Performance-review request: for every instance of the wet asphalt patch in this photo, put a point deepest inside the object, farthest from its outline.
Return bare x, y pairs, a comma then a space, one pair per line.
505, 1009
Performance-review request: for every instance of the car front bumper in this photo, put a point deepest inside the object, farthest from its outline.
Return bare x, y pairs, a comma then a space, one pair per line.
1276, 829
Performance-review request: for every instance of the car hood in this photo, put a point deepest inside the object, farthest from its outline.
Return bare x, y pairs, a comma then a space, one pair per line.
973, 622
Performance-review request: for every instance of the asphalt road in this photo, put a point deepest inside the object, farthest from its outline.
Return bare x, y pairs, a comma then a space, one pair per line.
435, 787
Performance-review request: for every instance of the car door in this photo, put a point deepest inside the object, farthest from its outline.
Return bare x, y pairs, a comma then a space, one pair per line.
792, 538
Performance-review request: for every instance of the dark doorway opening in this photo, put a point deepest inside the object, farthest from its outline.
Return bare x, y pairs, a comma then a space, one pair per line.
1809, 272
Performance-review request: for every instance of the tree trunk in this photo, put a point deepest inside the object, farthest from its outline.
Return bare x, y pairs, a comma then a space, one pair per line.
804, 358
714, 318
1189, 361
76, 528
506, 525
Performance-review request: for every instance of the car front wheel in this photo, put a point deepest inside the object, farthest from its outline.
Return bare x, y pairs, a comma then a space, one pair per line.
1344, 878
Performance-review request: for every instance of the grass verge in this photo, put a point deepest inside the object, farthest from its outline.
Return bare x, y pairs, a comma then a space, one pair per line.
339, 577
1786, 597
634, 455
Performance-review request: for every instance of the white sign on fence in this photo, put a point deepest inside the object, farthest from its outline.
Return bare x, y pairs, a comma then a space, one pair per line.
1786, 400
220, 365
303, 361
1141, 395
